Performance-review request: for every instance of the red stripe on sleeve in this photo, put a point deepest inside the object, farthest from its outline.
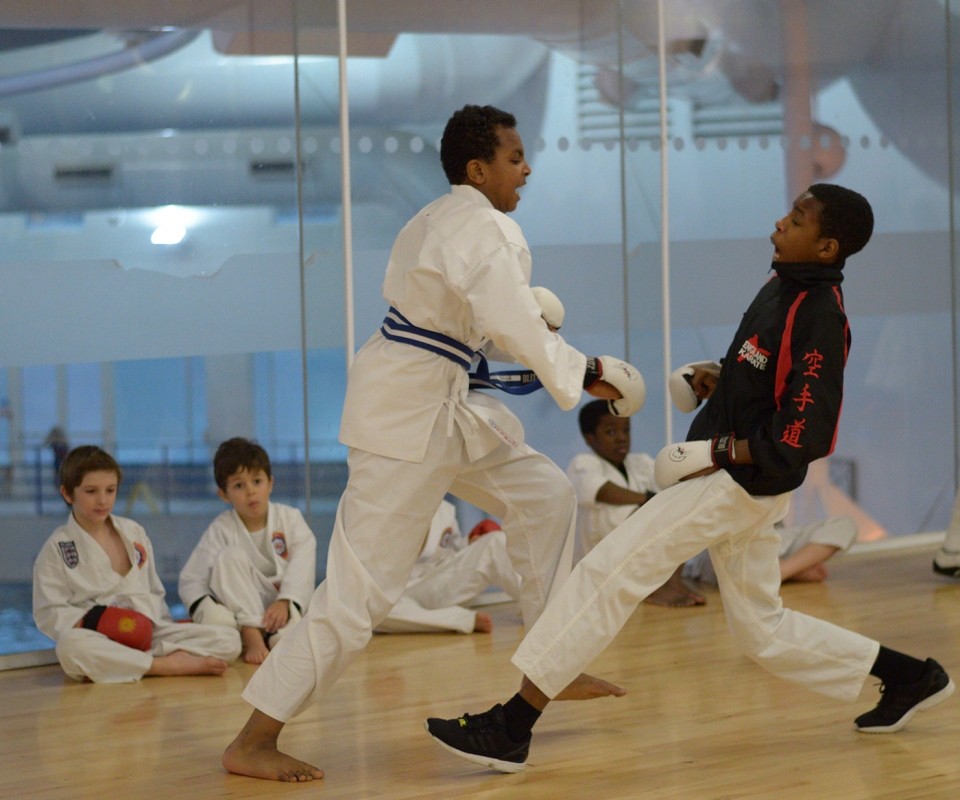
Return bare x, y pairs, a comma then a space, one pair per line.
785, 358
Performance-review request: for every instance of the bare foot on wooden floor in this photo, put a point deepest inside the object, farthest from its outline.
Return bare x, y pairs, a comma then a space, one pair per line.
254, 753
483, 624
254, 648
588, 687
180, 662
814, 574
675, 594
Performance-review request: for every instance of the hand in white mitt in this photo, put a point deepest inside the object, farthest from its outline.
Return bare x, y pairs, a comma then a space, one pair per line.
692, 383
627, 380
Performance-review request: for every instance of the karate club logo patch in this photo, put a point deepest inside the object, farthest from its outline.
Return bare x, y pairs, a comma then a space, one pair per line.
753, 353
446, 538
68, 551
279, 544
141, 554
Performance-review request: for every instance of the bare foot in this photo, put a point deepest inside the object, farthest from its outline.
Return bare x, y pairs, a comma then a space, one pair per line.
587, 687
254, 753
254, 648
180, 662
483, 624
675, 594
814, 574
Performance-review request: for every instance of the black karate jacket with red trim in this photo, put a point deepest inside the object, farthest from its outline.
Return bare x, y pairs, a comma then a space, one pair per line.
781, 386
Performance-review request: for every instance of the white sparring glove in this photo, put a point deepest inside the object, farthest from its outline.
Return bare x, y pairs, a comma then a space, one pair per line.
681, 388
676, 461
210, 612
623, 377
550, 306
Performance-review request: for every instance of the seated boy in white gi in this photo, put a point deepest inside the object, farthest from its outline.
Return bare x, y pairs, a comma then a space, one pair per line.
611, 483
803, 551
451, 572
96, 591
255, 567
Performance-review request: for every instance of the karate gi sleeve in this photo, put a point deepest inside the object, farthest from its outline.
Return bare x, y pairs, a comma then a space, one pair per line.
300, 577
809, 389
52, 609
194, 580
586, 475
505, 310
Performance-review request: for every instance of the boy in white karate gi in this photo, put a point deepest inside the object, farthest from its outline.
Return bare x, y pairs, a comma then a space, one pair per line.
611, 483
458, 279
255, 567
96, 591
451, 572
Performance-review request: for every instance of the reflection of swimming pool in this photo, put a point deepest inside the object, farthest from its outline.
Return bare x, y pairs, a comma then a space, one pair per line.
19, 634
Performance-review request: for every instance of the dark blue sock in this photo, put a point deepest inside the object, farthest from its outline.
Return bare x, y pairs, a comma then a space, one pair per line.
895, 668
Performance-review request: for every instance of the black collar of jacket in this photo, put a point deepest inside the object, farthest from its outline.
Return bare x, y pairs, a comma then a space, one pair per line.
805, 275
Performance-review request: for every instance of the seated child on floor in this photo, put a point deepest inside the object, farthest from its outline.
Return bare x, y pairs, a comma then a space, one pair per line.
96, 591
611, 483
803, 551
452, 572
255, 567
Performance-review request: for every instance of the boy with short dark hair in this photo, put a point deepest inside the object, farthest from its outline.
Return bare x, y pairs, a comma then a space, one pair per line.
96, 591
255, 567
773, 409
611, 484
458, 279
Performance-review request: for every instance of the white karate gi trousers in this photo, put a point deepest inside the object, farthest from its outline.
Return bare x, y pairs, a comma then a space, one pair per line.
84, 653
237, 584
638, 556
434, 601
382, 521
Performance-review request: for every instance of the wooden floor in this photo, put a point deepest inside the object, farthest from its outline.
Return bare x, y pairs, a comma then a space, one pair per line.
699, 721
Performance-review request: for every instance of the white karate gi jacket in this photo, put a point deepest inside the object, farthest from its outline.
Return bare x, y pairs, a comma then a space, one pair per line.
291, 567
588, 472
72, 574
460, 268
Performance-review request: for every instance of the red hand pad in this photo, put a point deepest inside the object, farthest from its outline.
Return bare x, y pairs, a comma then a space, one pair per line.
127, 627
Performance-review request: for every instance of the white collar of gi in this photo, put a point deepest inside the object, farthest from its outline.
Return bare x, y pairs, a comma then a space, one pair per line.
467, 192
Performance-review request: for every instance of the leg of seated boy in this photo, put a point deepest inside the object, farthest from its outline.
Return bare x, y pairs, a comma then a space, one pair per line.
193, 649
806, 565
408, 616
235, 583
675, 593
88, 654
461, 577
804, 549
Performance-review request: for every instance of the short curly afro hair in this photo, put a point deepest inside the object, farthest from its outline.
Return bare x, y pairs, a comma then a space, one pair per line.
471, 133
845, 216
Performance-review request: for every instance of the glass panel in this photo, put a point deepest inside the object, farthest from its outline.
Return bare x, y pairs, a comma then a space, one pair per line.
151, 268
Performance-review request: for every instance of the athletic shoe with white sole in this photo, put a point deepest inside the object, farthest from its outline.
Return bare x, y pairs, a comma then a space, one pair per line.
482, 739
898, 704
947, 563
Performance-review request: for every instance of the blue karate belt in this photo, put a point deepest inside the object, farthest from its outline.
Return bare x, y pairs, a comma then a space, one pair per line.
397, 328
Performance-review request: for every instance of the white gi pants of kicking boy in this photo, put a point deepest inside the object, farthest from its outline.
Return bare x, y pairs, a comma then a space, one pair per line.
84, 653
382, 521
638, 556
434, 600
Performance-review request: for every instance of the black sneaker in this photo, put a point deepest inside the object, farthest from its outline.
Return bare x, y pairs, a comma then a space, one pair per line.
482, 739
899, 703
947, 563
